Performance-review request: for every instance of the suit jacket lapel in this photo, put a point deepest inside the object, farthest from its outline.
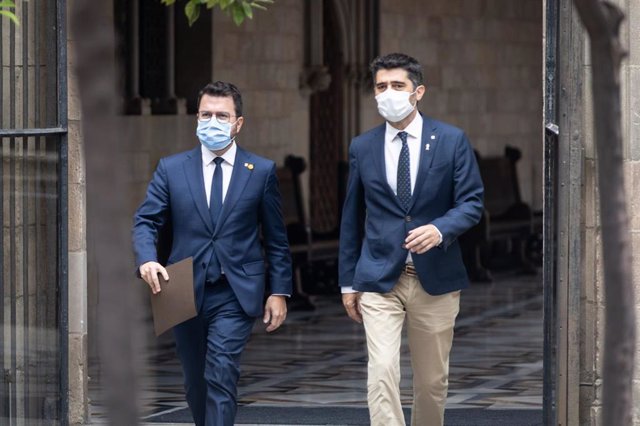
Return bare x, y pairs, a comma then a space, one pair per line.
379, 159
239, 178
428, 147
193, 170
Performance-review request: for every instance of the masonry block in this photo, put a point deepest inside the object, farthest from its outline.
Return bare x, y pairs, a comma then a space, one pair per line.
266, 103
78, 292
586, 398
590, 274
78, 374
596, 416
634, 111
633, 16
591, 204
393, 25
141, 168
636, 398
76, 154
74, 105
632, 180
635, 249
232, 51
77, 216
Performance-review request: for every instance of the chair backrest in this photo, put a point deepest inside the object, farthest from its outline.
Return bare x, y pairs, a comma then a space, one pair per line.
291, 196
500, 178
287, 195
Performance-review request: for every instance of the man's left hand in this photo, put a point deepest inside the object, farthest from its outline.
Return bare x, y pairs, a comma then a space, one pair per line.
275, 312
422, 239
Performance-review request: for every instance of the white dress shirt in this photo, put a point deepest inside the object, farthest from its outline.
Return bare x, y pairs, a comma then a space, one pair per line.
208, 167
392, 147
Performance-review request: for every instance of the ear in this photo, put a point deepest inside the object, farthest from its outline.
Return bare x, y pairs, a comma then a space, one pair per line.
420, 91
239, 124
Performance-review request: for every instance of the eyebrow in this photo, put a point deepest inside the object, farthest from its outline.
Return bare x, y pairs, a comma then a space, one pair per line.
391, 82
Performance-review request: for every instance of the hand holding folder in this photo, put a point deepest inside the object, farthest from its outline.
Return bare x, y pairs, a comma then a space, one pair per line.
175, 303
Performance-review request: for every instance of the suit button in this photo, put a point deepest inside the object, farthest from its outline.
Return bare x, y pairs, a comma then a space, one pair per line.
407, 218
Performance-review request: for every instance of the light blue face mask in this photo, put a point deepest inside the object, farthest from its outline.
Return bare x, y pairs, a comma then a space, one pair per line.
215, 136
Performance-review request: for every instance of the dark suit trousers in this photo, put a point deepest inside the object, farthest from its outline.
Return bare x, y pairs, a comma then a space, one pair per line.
209, 347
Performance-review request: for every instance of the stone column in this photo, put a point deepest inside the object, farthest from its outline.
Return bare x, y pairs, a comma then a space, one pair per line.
78, 365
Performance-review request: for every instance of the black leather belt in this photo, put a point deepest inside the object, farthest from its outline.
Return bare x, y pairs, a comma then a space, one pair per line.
410, 270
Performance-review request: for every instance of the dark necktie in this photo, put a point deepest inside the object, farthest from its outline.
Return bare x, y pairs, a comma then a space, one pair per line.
215, 205
215, 199
404, 173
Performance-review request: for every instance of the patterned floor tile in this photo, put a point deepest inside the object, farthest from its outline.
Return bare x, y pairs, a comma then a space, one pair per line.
319, 358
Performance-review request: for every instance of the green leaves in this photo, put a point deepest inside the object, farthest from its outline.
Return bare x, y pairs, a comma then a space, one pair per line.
192, 10
8, 4
238, 13
239, 10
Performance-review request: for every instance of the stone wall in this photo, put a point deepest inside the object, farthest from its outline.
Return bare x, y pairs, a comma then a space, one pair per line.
264, 57
482, 61
593, 303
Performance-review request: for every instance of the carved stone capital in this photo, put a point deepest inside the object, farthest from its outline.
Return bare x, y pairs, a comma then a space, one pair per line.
314, 79
359, 76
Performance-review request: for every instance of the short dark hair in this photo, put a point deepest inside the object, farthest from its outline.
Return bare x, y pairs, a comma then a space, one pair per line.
223, 89
398, 60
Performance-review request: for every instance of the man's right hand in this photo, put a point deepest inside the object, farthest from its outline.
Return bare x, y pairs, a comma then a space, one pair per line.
351, 302
149, 272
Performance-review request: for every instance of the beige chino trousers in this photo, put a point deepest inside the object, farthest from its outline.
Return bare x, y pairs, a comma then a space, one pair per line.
430, 321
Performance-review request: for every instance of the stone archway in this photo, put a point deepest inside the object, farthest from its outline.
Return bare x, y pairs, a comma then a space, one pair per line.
342, 40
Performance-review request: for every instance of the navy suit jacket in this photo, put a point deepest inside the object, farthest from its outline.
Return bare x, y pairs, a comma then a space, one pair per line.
448, 194
176, 197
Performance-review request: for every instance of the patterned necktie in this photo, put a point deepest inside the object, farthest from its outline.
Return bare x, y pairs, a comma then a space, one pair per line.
215, 199
404, 173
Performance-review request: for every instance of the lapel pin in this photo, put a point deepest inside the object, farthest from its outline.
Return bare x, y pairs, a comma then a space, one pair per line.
433, 137
248, 166
427, 147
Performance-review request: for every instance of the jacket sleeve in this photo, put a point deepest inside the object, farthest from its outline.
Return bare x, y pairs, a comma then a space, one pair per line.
467, 195
352, 224
276, 244
151, 217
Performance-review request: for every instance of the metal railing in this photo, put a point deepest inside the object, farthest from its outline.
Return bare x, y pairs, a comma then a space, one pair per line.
33, 211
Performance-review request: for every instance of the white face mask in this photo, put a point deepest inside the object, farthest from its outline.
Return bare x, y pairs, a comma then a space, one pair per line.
394, 105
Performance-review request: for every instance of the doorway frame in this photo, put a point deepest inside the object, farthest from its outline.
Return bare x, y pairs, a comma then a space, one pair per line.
564, 212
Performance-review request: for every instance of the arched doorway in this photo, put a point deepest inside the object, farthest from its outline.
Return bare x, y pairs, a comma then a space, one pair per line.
326, 132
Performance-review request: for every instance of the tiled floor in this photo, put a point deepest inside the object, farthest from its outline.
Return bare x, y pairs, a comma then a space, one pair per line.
318, 358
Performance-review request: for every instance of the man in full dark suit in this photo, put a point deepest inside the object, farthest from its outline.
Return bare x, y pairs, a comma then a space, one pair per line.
413, 188
219, 200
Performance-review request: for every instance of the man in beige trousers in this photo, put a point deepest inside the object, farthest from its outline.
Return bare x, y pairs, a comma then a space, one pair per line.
414, 188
